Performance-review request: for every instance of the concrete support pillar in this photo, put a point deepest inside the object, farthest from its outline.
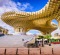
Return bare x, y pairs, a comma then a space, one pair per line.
5, 31
21, 31
16, 29
2, 31
59, 24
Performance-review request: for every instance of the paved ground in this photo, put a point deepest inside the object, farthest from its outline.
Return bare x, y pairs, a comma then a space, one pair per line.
52, 45
14, 41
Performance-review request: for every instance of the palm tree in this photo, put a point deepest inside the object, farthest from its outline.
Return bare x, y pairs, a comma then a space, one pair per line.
48, 37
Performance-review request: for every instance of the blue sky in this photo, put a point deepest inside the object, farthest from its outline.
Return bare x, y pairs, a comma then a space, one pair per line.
21, 5
55, 21
35, 4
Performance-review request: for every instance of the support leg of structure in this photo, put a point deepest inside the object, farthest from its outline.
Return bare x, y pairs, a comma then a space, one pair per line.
20, 31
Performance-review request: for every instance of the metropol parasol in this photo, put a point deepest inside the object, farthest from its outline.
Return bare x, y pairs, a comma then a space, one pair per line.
39, 20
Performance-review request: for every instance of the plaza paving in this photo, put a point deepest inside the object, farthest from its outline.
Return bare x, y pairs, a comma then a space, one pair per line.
14, 40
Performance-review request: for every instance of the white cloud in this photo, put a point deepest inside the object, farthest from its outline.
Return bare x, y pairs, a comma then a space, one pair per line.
6, 26
54, 23
3, 2
34, 32
56, 31
18, 3
9, 5
24, 6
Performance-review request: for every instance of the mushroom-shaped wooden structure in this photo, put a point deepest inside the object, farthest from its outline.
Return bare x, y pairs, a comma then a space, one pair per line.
40, 20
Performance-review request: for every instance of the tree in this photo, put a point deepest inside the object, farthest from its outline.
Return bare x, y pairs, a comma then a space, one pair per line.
48, 37
42, 37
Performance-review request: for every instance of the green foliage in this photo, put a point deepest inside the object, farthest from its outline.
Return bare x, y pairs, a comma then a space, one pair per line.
40, 37
48, 36
54, 40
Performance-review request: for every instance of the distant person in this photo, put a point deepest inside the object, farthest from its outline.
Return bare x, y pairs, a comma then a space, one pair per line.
39, 43
22, 39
